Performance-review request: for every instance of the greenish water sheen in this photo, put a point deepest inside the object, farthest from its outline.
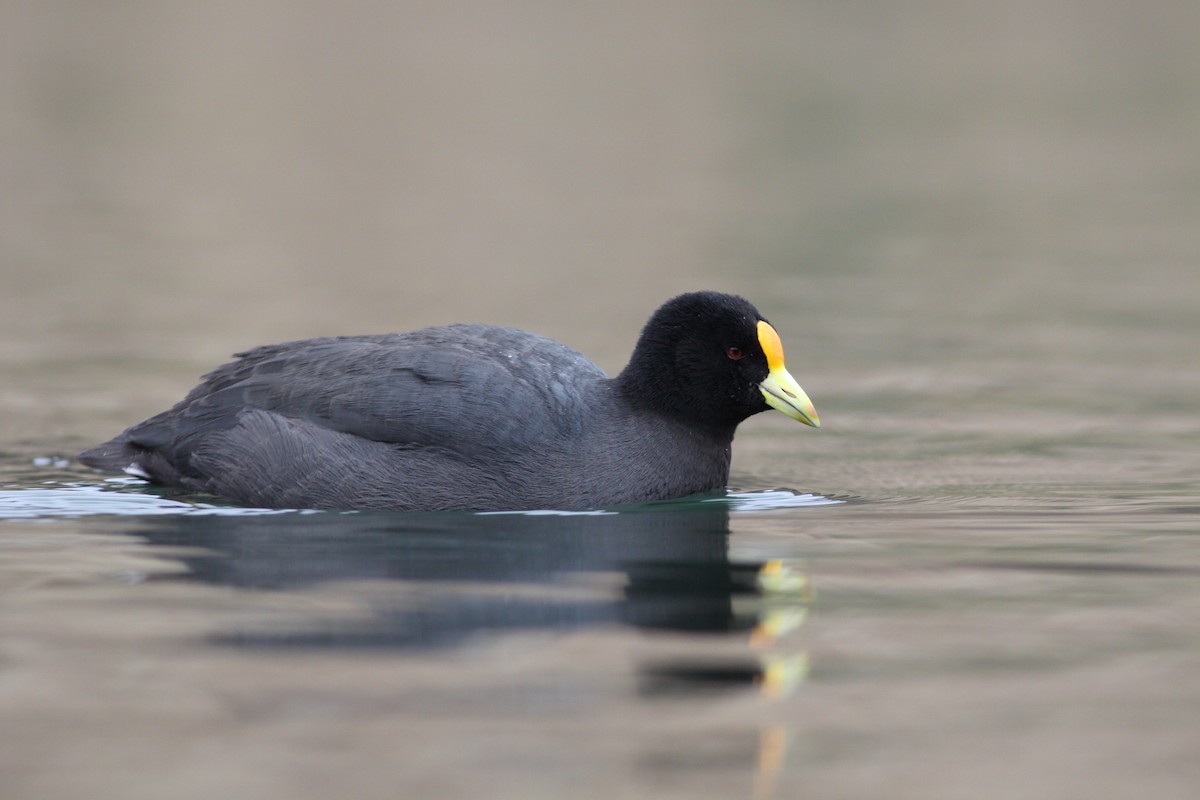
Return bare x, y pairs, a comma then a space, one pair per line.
974, 228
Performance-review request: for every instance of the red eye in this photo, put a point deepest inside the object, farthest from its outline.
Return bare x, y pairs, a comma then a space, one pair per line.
735, 353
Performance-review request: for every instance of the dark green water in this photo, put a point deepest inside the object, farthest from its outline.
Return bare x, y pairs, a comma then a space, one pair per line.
975, 228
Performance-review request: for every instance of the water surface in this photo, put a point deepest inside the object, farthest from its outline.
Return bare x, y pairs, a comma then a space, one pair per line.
975, 230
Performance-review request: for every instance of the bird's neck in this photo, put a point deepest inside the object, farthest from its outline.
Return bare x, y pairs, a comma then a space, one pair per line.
655, 391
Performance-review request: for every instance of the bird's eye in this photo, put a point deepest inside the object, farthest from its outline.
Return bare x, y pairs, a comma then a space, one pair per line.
735, 353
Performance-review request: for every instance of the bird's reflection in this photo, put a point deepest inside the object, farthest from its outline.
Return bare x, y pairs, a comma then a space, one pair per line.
665, 567
435, 580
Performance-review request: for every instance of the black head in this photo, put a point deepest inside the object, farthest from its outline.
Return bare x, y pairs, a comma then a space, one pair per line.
711, 360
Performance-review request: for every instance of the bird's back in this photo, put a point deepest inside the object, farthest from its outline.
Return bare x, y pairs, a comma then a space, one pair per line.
421, 420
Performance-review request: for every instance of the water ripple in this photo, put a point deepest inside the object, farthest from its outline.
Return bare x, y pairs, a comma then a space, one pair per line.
113, 497
84, 500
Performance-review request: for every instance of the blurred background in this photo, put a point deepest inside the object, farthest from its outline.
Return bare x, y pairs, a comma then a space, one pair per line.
976, 226
904, 189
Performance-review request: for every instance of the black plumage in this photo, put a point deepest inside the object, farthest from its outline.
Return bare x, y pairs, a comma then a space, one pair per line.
466, 417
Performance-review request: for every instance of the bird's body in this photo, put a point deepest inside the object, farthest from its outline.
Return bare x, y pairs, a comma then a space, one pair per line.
462, 417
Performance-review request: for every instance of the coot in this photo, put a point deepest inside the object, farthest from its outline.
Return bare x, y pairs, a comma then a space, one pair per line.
471, 417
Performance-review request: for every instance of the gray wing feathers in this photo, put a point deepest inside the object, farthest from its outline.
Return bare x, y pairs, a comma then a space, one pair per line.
468, 384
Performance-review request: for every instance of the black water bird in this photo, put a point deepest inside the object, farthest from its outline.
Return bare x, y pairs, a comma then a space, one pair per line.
471, 417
